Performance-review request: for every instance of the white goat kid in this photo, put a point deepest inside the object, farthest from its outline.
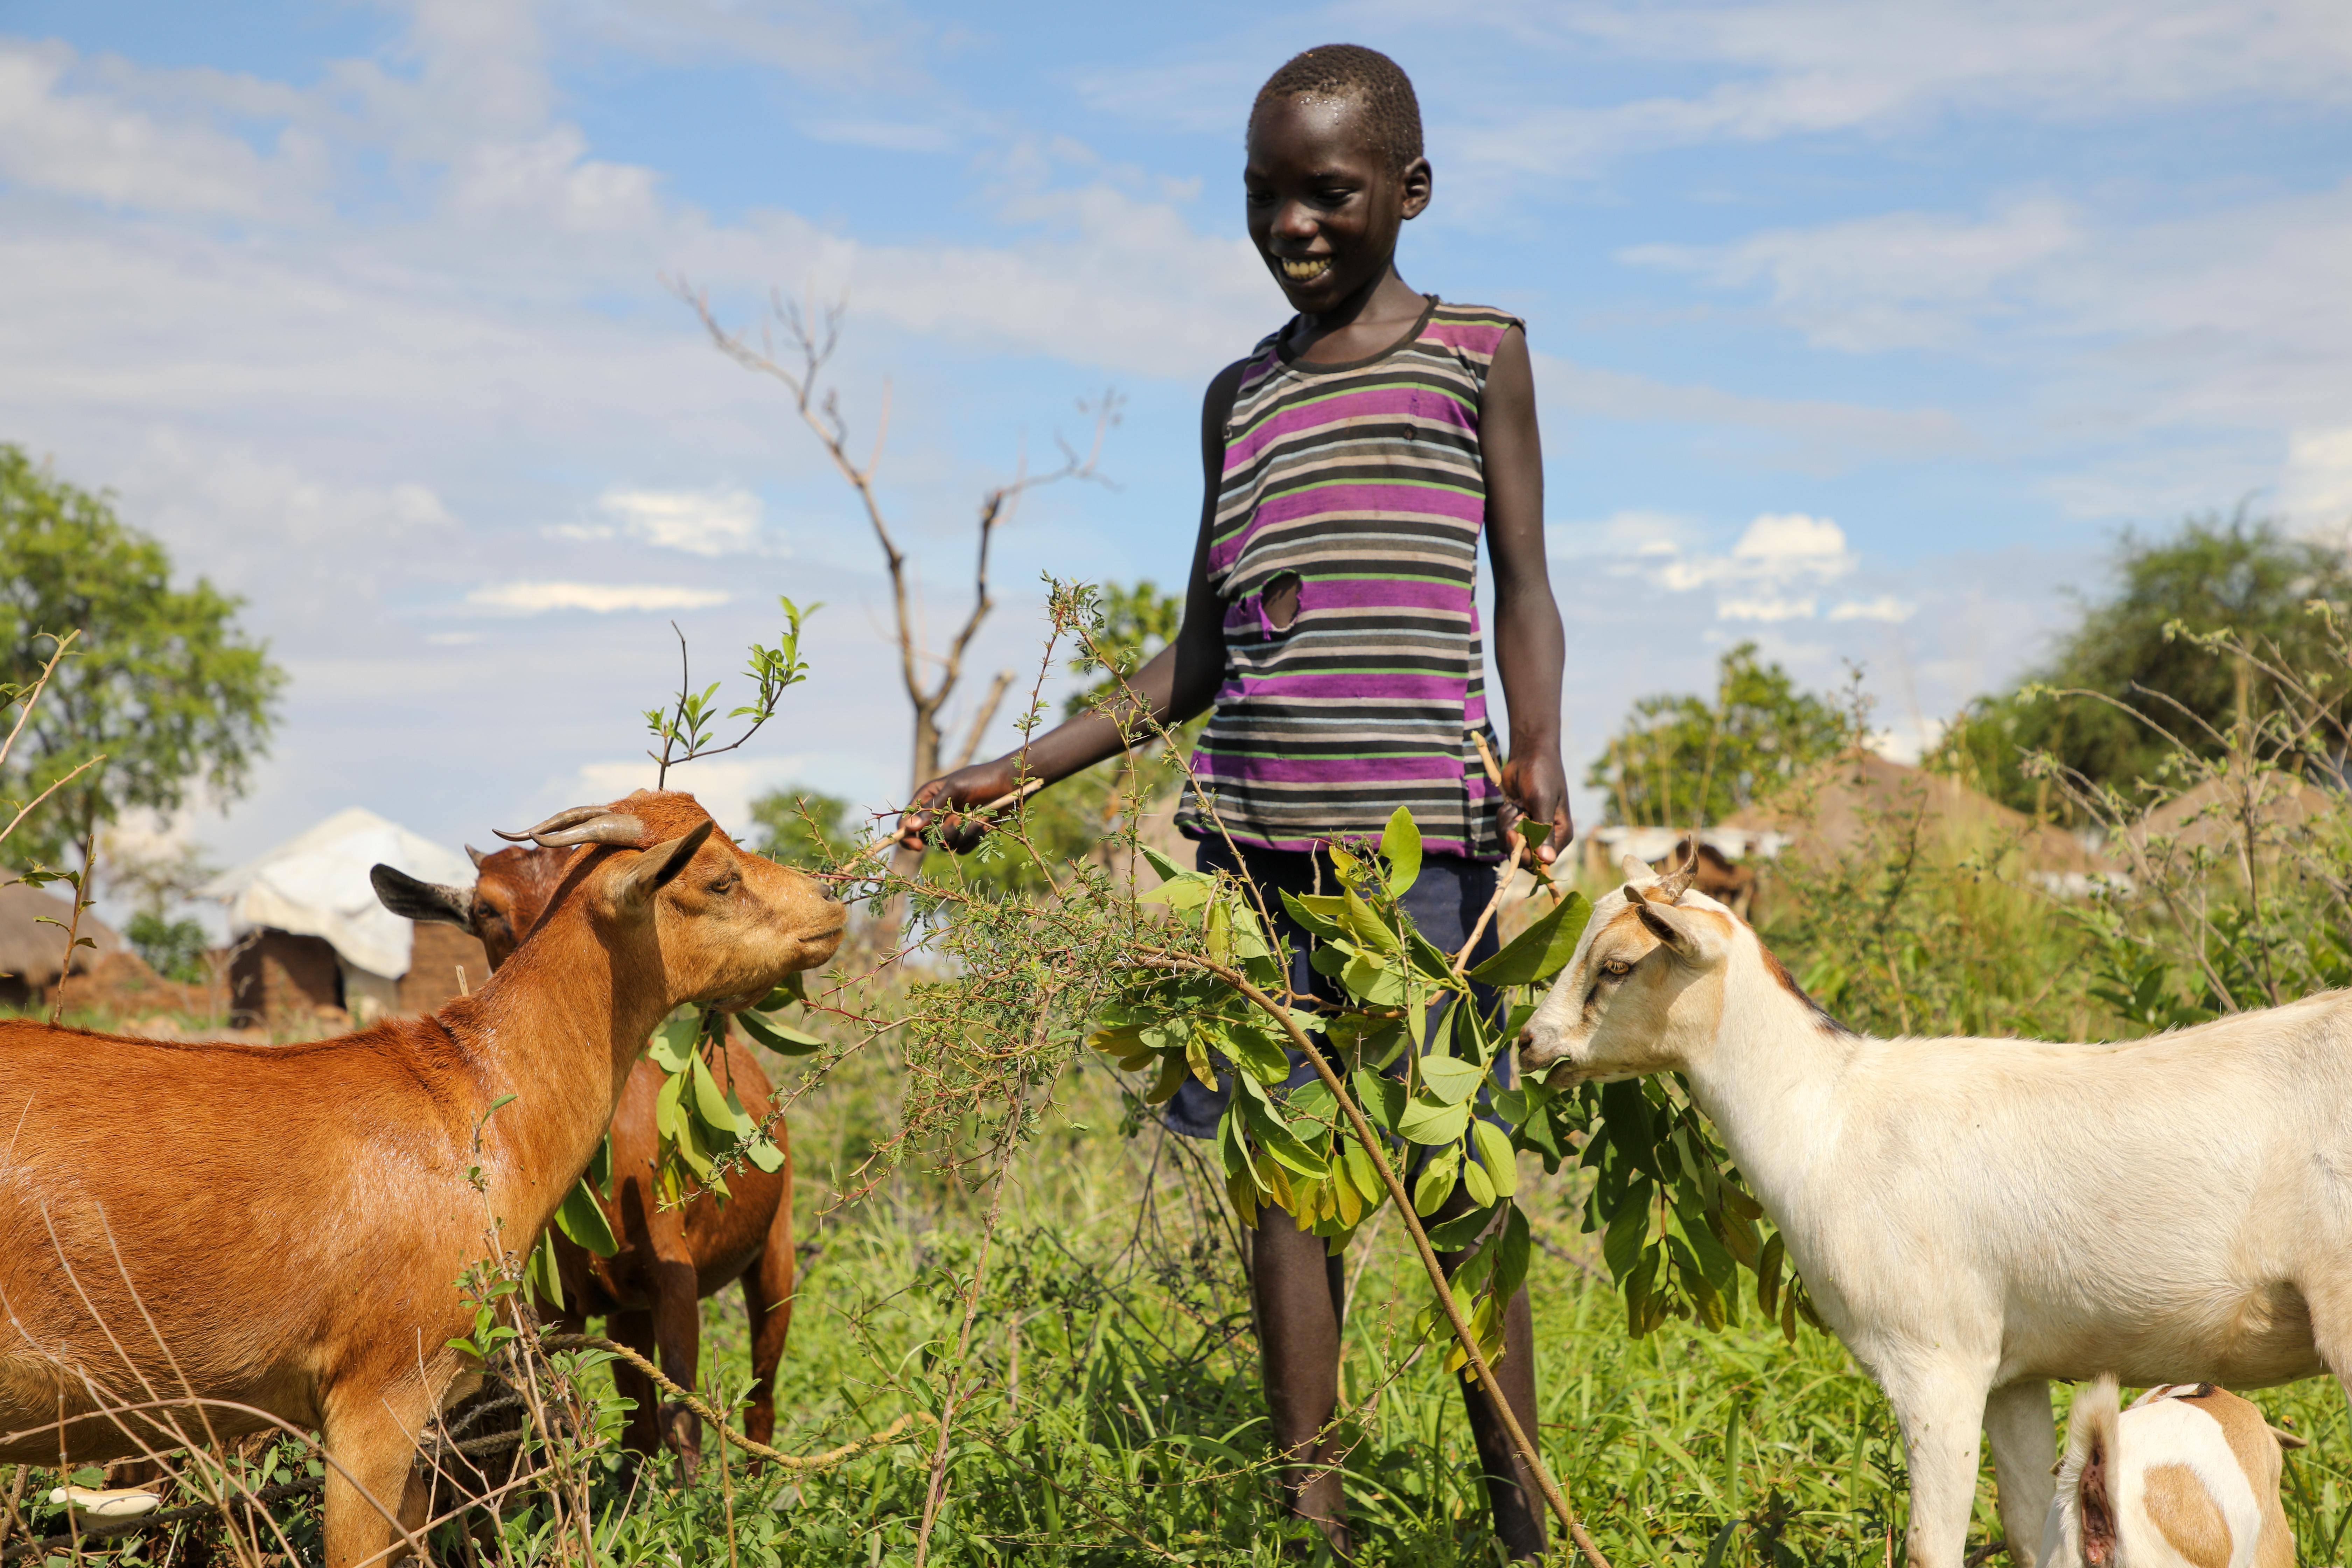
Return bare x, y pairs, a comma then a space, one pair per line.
1974, 1217
2187, 1478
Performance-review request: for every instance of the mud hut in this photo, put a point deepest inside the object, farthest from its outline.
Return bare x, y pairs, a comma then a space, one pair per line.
1839, 804
32, 951
311, 945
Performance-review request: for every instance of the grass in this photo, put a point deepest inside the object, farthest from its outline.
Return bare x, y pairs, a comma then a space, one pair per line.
1112, 1412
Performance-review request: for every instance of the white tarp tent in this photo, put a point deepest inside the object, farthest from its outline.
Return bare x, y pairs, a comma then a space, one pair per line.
316, 884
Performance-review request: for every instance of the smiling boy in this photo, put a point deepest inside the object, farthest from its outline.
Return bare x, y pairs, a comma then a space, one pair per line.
1352, 462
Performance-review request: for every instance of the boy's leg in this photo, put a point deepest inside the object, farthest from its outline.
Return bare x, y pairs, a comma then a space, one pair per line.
1298, 1291
1511, 1492
1445, 904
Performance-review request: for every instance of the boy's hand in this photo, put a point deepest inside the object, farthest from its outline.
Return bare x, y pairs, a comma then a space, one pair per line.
1537, 787
980, 784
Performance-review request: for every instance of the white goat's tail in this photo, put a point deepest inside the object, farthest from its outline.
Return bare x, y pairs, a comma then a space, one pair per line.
2082, 1530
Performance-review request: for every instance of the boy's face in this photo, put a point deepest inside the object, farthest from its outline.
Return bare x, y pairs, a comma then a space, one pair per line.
1324, 204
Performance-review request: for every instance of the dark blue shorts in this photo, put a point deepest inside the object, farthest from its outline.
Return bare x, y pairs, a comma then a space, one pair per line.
1445, 902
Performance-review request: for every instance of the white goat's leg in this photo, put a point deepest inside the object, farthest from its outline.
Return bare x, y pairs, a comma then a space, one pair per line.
2024, 1451
1940, 1409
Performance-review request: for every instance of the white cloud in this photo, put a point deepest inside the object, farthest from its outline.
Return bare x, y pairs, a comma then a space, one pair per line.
1884, 608
725, 786
1769, 574
2317, 490
700, 523
1802, 68
1821, 437
1895, 280
532, 598
1768, 608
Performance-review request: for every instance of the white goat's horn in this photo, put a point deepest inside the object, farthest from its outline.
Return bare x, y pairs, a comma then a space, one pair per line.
1676, 882
581, 825
1636, 870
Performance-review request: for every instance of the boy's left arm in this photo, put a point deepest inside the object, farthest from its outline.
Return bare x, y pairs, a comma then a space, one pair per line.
1530, 649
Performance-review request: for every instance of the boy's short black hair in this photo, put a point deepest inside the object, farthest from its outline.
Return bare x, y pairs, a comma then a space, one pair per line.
1367, 76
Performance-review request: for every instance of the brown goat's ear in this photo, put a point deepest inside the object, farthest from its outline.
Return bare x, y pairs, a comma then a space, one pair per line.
656, 868
2289, 1440
407, 897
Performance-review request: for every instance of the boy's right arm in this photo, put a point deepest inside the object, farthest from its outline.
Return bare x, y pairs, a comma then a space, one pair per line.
1178, 683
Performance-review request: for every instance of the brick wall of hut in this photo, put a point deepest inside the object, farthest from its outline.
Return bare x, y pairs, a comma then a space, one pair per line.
434, 963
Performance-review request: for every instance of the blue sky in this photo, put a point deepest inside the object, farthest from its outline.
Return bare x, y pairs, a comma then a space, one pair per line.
1862, 329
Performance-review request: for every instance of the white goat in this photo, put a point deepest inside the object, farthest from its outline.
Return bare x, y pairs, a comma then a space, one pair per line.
2187, 1478
1974, 1217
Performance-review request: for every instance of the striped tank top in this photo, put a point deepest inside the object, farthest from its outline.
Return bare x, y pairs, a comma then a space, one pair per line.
1361, 487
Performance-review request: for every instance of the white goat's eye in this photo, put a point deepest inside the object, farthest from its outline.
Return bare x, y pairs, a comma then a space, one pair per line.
1616, 968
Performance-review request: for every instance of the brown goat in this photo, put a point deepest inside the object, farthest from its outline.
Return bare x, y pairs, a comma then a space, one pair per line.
1730, 885
277, 1231
670, 1258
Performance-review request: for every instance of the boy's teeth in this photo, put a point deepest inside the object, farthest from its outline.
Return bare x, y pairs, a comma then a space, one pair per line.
1311, 267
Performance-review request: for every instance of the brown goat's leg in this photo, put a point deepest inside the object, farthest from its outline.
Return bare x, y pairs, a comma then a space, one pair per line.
641, 1434
678, 1330
767, 1302
373, 1437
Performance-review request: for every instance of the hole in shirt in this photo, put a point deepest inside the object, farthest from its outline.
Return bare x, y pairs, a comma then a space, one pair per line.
1280, 599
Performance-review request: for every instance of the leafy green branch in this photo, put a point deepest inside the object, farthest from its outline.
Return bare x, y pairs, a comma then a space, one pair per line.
691, 719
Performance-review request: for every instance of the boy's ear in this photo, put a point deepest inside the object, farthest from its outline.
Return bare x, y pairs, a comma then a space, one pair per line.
1419, 184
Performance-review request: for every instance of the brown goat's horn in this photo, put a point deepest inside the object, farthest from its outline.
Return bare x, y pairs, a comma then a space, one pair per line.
581, 825
475, 856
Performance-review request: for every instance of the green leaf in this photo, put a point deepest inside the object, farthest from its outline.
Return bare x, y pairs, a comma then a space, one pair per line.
1515, 1247
1462, 1231
581, 1217
1431, 1123
1401, 847
1435, 1183
1362, 1170
780, 1038
541, 1274
1539, 953
1496, 1153
1629, 1229
1168, 870
1382, 1097
1320, 914
712, 1102
672, 1043
766, 1155
1450, 1079
792, 988
1480, 1185
1365, 925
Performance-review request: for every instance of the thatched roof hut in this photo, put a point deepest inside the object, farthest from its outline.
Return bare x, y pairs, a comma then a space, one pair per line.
1838, 804
312, 941
33, 952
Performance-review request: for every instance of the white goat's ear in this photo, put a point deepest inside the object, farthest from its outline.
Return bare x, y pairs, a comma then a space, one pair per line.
655, 869
1636, 870
1691, 935
2288, 1440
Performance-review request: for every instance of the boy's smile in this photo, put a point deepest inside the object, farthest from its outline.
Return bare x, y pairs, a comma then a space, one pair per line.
1325, 204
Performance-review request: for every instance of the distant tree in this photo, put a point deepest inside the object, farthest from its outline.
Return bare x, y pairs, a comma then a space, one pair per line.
2241, 574
803, 828
1682, 760
163, 682
1137, 623
173, 949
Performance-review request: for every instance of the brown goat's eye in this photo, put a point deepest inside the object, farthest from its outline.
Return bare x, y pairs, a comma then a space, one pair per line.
1616, 969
